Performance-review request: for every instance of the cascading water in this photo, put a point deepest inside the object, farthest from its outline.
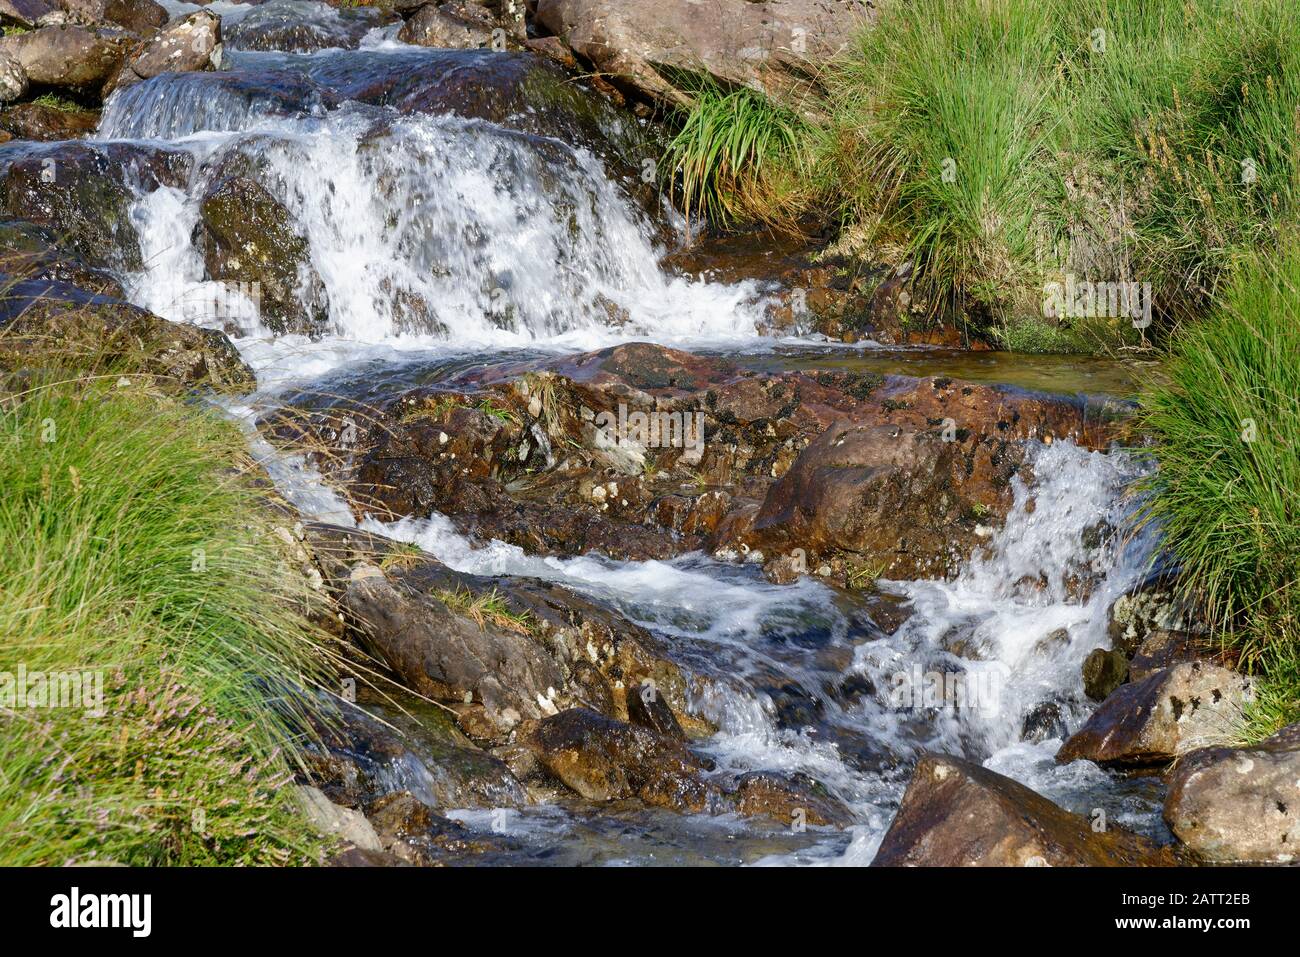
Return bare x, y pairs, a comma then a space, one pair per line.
437, 233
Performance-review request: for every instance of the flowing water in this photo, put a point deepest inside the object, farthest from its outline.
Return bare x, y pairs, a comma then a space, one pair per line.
443, 238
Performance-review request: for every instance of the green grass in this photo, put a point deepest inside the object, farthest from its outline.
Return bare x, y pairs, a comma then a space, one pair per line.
56, 102
486, 608
1226, 428
131, 546
732, 160
1000, 145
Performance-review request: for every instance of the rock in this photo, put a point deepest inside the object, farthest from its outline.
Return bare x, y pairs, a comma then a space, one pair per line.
36, 121
647, 708
185, 44
1152, 605
296, 27
771, 46
1163, 649
793, 799
248, 237
29, 251
958, 814
360, 857
26, 13
1239, 804
341, 822
82, 191
451, 25
411, 832
1163, 716
604, 759
70, 57
52, 323
1042, 723
1103, 672
139, 16
13, 78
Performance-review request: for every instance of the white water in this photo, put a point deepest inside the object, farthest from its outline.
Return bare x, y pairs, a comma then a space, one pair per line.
510, 240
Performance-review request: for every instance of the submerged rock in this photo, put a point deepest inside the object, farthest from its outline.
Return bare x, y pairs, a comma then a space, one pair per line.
300, 26
1239, 804
604, 759
958, 814
1163, 716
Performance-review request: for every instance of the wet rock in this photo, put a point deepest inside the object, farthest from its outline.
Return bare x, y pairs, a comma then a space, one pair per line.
1042, 723
604, 759
82, 191
771, 46
52, 323
248, 237
360, 857
792, 799
29, 251
1239, 804
446, 656
416, 747
69, 57
294, 26
341, 822
452, 26
958, 814
36, 121
647, 708
1165, 715
1103, 671
411, 832
138, 16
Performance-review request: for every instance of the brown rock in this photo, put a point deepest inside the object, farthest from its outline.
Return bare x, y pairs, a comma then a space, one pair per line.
604, 759
1103, 671
69, 57
1164, 715
1239, 804
958, 814
794, 799
36, 121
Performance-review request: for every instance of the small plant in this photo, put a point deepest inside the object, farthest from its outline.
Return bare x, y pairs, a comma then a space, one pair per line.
486, 608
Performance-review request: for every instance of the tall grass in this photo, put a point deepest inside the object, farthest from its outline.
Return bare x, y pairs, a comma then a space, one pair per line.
1226, 426
1001, 144
131, 545
735, 158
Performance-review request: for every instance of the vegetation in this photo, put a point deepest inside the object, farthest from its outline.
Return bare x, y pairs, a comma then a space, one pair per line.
486, 608
131, 547
1226, 423
1001, 145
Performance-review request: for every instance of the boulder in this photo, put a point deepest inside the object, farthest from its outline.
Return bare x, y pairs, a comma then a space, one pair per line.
959, 814
185, 44
604, 759
1104, 670
13, 78
791, 799
53, 323
1163, 648
296, 27
26, 13
138, 16
1239, 804
248, 237
82, 191
29, 251
1163, 716
412, 833
1153, 605
451, 25
340, 822
70, 57
773, 46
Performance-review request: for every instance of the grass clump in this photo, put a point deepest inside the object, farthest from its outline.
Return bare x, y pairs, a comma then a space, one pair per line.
132, 549
486, 608
1226, 422
735, 159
